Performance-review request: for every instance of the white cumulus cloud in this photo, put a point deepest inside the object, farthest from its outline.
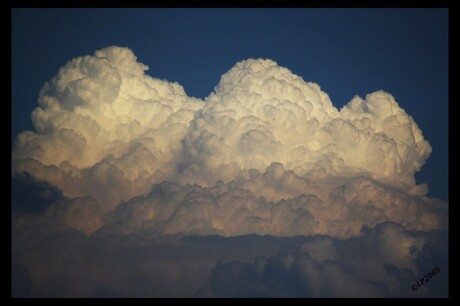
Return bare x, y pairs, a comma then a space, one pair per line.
265, 153
129, 187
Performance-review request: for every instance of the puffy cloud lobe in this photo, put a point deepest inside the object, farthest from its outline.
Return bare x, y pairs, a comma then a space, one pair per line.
225, 210
268, 151
261, 113
102, 124
103, 107
236, 208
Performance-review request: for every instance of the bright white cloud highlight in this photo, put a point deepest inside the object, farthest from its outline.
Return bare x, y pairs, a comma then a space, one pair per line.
265, 153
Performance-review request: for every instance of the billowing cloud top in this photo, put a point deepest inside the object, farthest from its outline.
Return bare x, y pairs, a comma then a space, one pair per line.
265, 153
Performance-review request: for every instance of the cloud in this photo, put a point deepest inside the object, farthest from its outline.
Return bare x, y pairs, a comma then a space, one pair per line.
103, 124
373, 265
119, 157
232, 210
102, 120
261, 113
66, 263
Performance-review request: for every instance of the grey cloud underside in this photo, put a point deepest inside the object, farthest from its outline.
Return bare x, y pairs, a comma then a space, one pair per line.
383, 262
119, 157
369, 266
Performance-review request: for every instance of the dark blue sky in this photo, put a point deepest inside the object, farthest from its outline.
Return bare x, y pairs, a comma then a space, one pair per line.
345, 51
